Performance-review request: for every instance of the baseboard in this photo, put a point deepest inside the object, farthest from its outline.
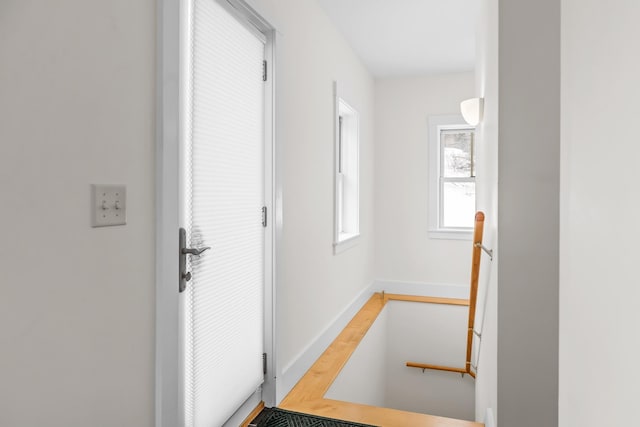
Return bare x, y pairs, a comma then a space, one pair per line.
292, 373
421, 289
489, 421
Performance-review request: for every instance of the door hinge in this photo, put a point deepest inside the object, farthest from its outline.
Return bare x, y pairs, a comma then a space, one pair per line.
264, 216
264, 71
264, 363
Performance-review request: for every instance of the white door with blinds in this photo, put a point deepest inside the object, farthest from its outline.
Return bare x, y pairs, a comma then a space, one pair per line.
223, 194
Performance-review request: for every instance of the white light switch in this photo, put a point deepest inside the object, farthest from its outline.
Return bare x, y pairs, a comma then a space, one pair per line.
109, 205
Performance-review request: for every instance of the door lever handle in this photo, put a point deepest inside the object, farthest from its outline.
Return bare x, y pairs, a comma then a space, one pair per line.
194, 251
183, 275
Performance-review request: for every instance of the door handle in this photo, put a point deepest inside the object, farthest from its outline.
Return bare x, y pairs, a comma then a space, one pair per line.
194, 251
184, 275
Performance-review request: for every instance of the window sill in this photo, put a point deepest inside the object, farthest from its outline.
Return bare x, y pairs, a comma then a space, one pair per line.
451, 234
347, 241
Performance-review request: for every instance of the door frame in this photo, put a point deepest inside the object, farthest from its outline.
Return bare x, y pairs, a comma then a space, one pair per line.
168, 390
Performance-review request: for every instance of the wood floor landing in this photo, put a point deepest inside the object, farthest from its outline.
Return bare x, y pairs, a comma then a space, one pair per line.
308, 395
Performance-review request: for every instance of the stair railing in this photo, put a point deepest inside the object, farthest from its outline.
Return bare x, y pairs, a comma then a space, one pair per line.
476, 256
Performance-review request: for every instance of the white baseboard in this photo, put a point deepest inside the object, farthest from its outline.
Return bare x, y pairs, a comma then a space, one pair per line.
489, 420
292, 373
421, 289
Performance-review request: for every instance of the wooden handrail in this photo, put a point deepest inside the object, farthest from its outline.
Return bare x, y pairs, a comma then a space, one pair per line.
436, 367
478, 230
466, 370
473, 298
429, 300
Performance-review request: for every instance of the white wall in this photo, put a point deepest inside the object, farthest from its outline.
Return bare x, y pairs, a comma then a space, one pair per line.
410, 331
363, 379
528, 211
487, 201
403, 249
76, 303
518, 370
315, 285
78, 108
434, 334
600, 208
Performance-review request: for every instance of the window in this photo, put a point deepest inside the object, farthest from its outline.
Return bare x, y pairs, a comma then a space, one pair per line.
347, 199
452, 176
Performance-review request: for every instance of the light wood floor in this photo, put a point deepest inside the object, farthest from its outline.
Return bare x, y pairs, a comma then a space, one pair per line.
308, 395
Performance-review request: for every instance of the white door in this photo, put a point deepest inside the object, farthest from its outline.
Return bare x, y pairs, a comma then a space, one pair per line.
222, 197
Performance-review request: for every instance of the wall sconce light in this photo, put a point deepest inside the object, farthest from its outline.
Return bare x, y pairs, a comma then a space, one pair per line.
472, 110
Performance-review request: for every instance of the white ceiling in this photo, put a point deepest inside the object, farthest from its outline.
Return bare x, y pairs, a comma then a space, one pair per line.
408, 37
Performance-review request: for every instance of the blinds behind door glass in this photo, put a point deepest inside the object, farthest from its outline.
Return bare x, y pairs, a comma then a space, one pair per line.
224, 324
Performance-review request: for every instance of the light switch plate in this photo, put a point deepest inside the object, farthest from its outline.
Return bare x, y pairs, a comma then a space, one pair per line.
109, 205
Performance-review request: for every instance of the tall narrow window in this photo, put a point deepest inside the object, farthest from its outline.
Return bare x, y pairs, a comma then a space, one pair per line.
347, 203
453, 177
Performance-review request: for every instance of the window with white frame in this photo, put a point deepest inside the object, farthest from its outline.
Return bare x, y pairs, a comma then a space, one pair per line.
452, 199
347, 200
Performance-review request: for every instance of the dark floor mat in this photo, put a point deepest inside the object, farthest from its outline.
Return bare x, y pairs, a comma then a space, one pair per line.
275, 417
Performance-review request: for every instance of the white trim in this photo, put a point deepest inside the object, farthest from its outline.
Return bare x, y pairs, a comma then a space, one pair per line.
292, 373
167, 394
263, 14
346, 242
274, 221
450, 234
438, 290
454, 121
271, 391
489, 420
247, 17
